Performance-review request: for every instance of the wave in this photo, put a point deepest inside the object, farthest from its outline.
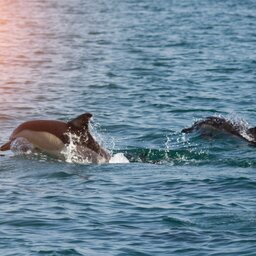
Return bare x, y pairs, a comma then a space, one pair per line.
162, 156
6, 117
195, 152
187, 157
173, 149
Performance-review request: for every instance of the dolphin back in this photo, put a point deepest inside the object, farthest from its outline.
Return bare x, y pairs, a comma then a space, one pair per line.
221, 124
217, 123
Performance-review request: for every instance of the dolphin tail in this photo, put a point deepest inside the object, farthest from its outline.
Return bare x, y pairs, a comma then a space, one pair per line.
6, 146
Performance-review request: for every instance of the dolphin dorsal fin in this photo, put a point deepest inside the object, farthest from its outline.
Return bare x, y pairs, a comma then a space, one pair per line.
81, 121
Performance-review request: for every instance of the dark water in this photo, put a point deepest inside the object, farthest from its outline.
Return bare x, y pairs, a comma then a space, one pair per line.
145, 69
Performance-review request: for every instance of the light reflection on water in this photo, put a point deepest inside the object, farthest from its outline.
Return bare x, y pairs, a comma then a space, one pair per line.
41, 59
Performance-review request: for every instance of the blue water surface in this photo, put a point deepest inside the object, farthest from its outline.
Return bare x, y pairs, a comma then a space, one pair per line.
145, 70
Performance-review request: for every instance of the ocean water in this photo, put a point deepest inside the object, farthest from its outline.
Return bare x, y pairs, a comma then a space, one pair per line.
145, 70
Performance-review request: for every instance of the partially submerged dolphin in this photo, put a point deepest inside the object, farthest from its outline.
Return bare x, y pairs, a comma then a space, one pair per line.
51, 136
212, 123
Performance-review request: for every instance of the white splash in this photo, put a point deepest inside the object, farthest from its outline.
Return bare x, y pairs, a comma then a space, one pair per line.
119, 158
71, 153
76, 154
243, 127
22, 146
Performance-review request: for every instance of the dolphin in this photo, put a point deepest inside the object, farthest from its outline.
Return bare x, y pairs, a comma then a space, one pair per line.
212, 123
52, 137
